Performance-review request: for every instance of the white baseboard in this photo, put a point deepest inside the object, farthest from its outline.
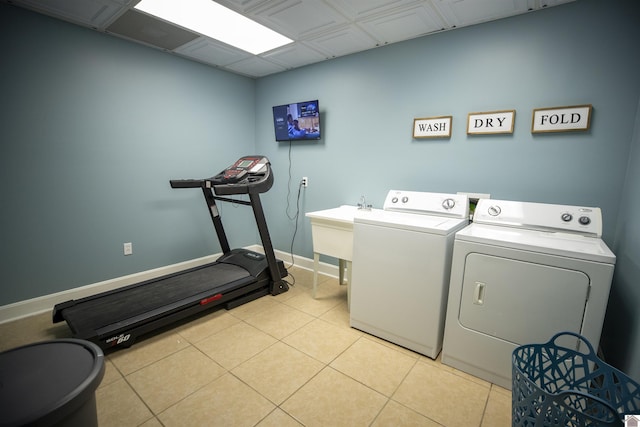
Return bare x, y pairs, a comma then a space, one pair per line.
301, 262
45, 303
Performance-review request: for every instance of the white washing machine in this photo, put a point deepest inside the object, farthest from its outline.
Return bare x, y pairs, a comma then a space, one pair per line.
401, 264
521, 273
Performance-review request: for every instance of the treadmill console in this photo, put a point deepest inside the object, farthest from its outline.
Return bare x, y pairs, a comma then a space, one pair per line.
249, 174
243, 168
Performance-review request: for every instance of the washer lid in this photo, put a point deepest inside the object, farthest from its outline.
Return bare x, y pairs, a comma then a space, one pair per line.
569, 245
409, 221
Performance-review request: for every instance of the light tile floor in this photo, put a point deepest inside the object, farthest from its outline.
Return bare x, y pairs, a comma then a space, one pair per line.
288, 360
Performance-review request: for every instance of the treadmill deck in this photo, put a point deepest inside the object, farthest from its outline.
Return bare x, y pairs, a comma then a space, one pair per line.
156, 295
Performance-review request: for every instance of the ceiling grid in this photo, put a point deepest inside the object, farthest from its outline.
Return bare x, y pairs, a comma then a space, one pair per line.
320, 29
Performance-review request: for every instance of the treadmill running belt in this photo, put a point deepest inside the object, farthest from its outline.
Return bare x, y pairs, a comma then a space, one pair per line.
138, 300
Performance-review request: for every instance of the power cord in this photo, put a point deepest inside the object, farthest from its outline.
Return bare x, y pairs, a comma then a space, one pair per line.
293, 217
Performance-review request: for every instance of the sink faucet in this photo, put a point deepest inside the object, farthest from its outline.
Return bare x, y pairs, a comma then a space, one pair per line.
363, 204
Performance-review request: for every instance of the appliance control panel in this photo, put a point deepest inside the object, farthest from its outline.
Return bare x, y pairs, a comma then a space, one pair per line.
540, 216
439, 204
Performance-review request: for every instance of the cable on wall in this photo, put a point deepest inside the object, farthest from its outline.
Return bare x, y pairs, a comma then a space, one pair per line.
296, 215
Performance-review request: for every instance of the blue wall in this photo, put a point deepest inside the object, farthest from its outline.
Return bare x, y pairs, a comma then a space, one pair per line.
92, 130
93, 127
621, 334
555, 57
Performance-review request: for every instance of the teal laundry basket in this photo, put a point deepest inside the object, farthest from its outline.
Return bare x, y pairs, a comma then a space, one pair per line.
558, 386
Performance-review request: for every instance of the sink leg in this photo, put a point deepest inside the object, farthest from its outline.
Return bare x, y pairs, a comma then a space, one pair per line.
316, 263
349, 285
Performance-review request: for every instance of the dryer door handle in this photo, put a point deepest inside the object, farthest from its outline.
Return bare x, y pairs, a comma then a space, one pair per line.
478, 294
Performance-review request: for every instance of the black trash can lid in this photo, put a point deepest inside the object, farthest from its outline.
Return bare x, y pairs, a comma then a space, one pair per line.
48, 380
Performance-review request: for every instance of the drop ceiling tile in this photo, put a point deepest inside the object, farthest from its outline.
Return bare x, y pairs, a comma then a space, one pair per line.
211, 52
404, 24
460, 13
244, 6
294, 55
346, 40
359, 9
298, 19
91, 13
255, 67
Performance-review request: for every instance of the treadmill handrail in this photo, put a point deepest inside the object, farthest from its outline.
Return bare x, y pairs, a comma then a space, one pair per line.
186, 183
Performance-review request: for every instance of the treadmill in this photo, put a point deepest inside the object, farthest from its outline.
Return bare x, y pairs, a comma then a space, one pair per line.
116, 318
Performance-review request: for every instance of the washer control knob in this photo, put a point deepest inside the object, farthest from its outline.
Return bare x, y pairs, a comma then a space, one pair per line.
584, 220
494, 210
394, 200
566, 217
448, 203
405, 199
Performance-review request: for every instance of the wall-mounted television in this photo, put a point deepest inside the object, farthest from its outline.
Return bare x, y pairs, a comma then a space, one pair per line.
298, 121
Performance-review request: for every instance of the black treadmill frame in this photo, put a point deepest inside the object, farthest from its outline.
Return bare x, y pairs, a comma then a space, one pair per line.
259, 282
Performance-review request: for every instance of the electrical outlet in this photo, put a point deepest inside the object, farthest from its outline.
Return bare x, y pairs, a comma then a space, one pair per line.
305, 181
128, 248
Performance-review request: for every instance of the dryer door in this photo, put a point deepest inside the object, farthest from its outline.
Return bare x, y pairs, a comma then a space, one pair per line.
521, 302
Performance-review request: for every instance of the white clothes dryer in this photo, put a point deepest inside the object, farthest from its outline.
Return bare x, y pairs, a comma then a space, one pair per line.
401, 265
521, 272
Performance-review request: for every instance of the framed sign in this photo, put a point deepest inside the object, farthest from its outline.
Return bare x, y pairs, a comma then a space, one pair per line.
432, 127
561, 119
491, 122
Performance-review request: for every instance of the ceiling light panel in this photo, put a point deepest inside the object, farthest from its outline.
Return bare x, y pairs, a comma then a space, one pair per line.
216, 21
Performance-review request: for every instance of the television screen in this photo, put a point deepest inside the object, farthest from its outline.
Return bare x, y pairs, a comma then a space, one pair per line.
299, 121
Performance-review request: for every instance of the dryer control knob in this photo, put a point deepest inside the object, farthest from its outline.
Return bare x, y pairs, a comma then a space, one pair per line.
566, 217
584, 220
394, 200
494, 210
405, 199
448, 203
